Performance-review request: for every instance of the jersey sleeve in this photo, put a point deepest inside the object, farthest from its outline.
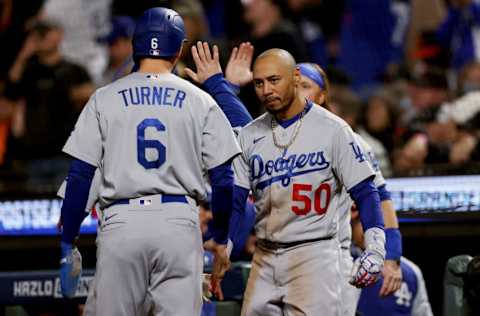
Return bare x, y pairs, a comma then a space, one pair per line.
421, 305
218, 140
374, 163
241, 168
85, 141
348, 158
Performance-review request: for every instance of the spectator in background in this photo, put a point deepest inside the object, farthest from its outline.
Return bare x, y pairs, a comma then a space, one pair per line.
15, 19
346, 104
463, 113
319, 22
49, 93
459, 33
83, 22
427, 90
372, 39
196, 28
380, 118
119, 42
270, 29
425, 18
425, 140
469, 78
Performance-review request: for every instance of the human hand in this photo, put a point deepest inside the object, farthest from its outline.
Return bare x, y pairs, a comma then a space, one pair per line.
392, 277
238, 69
70, 269
206, 64
461, 150
221, 263
366, 269
29, 47
368, 266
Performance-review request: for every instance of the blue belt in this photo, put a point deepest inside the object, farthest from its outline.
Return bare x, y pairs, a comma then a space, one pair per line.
166, 198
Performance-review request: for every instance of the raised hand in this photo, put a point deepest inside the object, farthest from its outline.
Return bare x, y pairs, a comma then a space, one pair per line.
207, 64
238, 68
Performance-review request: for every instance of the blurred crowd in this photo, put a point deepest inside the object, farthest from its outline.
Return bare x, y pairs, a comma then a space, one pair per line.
404, 73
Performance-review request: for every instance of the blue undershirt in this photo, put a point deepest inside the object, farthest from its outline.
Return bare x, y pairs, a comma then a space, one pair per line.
365, 195
221, 179
73, 212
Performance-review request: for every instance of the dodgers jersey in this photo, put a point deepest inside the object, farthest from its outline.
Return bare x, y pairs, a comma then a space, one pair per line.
345, 229
410, 299
152, 133
296, 191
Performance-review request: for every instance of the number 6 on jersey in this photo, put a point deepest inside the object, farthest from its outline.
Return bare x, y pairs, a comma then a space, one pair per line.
144, 144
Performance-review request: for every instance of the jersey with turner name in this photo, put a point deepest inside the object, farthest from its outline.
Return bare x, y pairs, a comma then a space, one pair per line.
153, 133
364, 151
296, 190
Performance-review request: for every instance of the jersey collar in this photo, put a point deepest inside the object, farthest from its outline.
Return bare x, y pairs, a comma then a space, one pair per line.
290, 121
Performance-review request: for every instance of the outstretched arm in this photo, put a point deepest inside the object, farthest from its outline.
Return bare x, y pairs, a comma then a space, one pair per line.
209, 74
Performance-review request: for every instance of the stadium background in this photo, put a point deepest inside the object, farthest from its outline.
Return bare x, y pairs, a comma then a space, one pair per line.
405, 73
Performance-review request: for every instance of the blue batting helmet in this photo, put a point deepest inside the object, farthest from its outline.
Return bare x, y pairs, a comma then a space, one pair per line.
159, 33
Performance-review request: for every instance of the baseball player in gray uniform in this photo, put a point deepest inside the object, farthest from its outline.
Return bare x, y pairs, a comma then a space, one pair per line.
314, 86
295, 159
154, 134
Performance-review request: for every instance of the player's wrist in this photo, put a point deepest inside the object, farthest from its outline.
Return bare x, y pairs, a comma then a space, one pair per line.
212, 81
375, 241
220, 240
66, 248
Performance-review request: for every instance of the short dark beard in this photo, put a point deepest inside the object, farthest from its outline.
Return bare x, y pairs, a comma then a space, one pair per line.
283, 108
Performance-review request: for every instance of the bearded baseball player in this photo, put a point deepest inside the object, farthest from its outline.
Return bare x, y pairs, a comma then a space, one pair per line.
154, 134
295, 160
281, 270
314, 86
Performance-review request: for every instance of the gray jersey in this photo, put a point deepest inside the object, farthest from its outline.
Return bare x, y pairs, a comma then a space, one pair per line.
152, 134
345, 230
296, 191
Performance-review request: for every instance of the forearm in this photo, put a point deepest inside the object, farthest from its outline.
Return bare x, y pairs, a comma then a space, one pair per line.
16, 71
366, 198
365, 195
221, 179
73, 212
389, 215
240, 224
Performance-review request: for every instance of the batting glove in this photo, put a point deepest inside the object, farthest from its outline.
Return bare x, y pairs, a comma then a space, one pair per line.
70, 269
367, 268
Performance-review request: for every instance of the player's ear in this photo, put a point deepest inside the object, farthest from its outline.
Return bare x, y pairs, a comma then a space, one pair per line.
321, 98
296, 76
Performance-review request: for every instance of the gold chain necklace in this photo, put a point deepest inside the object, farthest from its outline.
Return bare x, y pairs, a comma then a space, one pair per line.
274, 125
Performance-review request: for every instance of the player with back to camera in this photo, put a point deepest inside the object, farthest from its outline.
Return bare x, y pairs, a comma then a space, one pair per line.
295, 180
153, 134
